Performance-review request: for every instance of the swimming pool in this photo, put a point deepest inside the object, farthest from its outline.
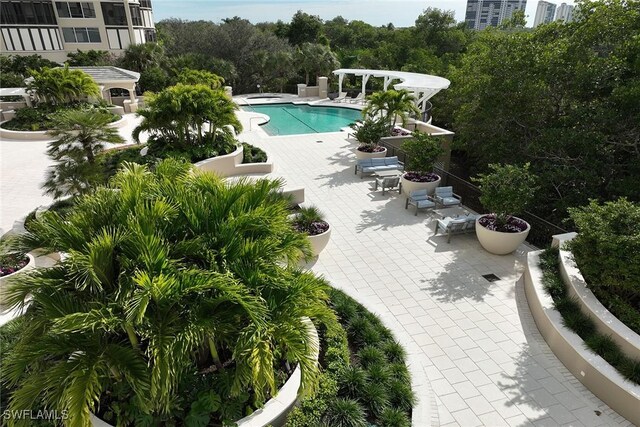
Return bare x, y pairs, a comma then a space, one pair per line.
291, 119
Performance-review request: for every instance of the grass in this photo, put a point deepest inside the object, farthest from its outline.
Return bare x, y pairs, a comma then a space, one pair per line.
580, 323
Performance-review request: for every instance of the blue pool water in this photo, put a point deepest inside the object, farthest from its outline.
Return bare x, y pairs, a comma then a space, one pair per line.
290, 119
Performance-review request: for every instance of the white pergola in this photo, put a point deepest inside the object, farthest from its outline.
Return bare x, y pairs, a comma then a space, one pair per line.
16, 91
423, 86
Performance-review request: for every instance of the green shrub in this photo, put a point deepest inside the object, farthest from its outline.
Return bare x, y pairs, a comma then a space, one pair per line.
394, 351
605, 347
111, 160
379, 373
400, 395
575, 319
352, 381
394, 418
370, 355
631, 370
344, 413
400, 372
253, 154
422, 151
607, 251
375, 398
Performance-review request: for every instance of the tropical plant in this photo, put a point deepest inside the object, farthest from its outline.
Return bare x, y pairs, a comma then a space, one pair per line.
88, 58
179, 111
369, 132
310, 220
506, 190
140, 57
390, 104
314, 58
62, 85
179, 294
79, 135
422, 151
194, 77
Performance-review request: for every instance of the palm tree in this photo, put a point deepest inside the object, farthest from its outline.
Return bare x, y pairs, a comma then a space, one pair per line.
390, 104
140, 57
62, 85
172, 277
175, 111
80, 136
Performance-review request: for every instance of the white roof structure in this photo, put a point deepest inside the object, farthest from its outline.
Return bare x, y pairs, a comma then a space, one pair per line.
13, 91
423, 86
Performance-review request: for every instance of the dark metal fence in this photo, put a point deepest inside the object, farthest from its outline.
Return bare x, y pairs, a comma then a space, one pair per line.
541, 230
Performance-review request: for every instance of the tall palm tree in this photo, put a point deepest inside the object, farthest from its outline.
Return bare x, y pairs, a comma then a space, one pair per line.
170, 276
79, 136
390, 104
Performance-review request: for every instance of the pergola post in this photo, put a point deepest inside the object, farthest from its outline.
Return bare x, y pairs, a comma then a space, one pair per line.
365, 79
387, 80
340, 79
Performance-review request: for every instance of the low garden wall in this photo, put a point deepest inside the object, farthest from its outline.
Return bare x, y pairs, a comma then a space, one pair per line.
605, 321
602, 379
43, 135
231, 165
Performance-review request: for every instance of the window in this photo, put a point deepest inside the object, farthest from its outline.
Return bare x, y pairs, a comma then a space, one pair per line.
145, 3
150, 36
114, 14
75, 9
27, 12
136, 17
81, 35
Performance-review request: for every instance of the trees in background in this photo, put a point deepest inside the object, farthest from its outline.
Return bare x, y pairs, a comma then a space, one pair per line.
91, 58
14, 69
562, 97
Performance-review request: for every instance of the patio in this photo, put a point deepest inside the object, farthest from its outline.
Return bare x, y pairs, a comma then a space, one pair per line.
476, 355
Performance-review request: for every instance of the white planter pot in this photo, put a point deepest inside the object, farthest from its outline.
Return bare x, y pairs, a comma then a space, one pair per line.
319, 241
500, 243
376, 155
409, 186
4, 280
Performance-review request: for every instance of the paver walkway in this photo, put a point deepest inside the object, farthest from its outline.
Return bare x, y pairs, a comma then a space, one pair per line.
482, 359
474, 351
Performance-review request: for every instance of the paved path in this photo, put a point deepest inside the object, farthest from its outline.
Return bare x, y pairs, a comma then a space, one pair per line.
474, 350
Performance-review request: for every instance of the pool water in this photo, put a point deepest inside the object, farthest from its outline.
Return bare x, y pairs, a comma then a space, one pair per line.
290, 119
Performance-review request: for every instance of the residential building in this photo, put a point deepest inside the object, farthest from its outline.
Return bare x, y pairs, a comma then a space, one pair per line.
484, 13
544, 13
564, 13
52, 29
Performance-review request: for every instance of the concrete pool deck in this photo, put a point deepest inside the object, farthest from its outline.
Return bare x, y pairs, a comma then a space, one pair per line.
473, 343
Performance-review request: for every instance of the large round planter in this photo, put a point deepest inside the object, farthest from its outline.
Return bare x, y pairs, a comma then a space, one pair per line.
319, 241
4, 280
497, 242
409, 186
360, 155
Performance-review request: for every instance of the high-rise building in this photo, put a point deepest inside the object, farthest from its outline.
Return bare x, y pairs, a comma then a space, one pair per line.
564, 13
544, 13
54, 28
484, 13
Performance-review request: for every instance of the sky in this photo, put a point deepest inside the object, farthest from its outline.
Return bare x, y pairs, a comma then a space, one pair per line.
401, 13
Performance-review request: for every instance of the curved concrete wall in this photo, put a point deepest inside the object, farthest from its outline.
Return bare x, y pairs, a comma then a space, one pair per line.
43, 135
593, 371
605, 321
231, 165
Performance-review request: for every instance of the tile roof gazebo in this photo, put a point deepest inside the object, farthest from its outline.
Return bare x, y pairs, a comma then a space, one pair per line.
115, 78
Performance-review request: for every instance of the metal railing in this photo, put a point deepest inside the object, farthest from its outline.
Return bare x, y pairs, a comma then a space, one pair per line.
541, 229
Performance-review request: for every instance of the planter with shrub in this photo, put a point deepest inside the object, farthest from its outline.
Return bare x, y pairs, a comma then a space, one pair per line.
11, 265
422, 151
310, 221
368, 134
364, 379
506, 191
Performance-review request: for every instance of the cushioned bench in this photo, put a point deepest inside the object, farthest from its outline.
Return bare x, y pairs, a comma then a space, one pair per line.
377, 165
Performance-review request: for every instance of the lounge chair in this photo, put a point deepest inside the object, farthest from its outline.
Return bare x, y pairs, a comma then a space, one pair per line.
458, 225
387, 183
420, 199
341, 97
445, 197
357, 99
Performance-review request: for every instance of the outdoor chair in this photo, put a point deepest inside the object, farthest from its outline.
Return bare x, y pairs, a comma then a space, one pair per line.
388, 183
357, 99
342, 96
458, 225
445, 197
420, 199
